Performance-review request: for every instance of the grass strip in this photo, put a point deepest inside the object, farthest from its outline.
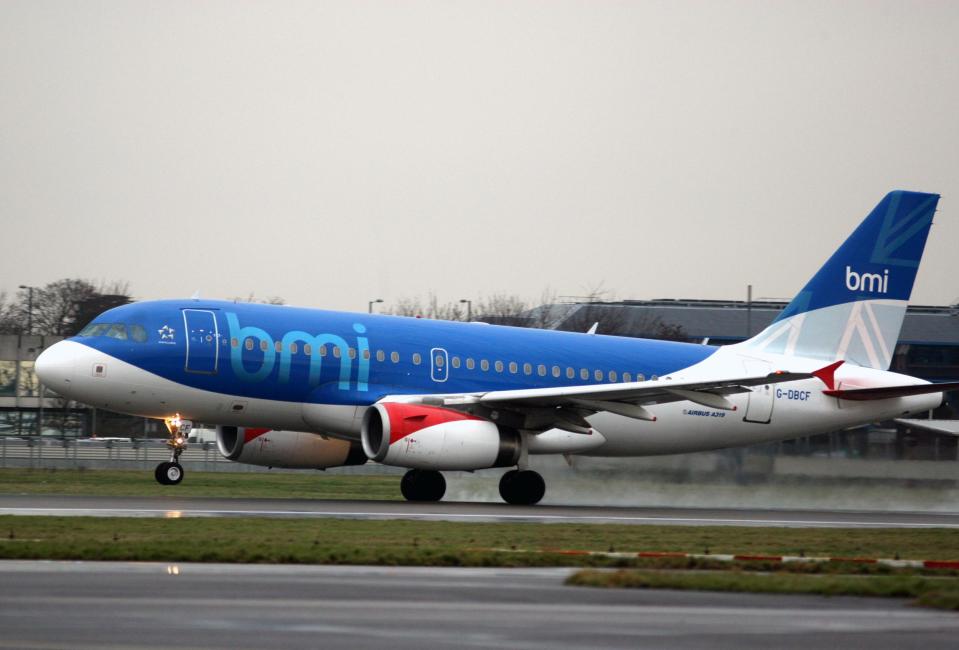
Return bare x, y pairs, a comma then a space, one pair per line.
351, 541
927, 591
266, 485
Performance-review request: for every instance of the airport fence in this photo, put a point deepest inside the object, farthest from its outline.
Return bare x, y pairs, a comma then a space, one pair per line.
145, 454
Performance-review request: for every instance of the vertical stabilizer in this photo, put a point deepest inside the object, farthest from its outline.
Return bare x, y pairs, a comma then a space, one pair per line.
852, 309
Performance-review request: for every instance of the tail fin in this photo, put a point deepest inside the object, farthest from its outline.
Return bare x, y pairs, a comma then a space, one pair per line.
853, 307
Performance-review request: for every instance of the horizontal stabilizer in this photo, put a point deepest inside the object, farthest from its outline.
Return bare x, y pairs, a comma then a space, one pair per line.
889, 392
945, 427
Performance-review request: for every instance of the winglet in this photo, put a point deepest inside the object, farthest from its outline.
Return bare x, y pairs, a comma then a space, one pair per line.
827, 375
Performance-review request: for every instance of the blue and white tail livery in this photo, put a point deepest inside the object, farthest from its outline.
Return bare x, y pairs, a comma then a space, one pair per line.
853, 308
307, 388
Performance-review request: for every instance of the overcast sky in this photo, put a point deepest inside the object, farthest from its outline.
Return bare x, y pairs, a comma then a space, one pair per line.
332, 153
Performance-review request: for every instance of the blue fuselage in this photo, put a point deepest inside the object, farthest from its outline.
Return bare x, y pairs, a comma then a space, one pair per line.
293, 354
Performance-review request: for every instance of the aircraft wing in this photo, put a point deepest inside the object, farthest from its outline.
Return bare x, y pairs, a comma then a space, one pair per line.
564, 407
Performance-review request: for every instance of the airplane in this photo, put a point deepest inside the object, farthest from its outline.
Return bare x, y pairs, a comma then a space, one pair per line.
307, 388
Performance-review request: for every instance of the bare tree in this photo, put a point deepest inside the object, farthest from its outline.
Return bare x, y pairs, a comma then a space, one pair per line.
502, 309
9, 316
62, 307
432, 308
616, 320
251, 297
107, 295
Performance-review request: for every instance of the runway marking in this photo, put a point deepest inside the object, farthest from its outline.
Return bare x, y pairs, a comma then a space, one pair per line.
152, 512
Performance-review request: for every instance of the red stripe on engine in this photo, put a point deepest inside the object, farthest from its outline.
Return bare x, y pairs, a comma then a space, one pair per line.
407, 419
251, 434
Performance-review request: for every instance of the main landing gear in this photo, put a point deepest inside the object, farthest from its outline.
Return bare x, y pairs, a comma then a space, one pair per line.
522, 487
423, 485
171, 473
517, 487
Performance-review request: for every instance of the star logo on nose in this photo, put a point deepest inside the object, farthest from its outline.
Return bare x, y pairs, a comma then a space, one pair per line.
166, 333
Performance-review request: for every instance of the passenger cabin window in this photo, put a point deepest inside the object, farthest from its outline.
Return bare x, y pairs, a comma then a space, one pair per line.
395, 357
499, 366
352, 352
455, 361
307, 349
612, 376
278, 346
627, 377
380, 355
541, 370
598, 375
248, 344
470, 364
484, 365
584, 373
235, 342
366, 354
417, 358
570, 373
439, 361
263, 346
556, 371
513, 367
293, 348
336, 351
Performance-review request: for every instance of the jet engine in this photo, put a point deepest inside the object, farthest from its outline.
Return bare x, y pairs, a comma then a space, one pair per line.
431, 437
290, 449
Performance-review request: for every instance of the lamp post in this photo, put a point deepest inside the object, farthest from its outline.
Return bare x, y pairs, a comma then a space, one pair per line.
373, 302
29, 308
469, 309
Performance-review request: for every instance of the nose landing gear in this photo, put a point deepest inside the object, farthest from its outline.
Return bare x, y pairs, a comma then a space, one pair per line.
171, 473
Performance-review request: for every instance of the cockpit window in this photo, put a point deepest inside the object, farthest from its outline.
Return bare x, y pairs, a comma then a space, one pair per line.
138, 333
117, 331
95, 329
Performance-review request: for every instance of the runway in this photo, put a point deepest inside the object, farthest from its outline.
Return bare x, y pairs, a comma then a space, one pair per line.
151, 605
172, 506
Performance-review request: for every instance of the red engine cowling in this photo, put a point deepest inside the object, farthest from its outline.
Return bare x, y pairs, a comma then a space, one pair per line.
430, 437
291, 449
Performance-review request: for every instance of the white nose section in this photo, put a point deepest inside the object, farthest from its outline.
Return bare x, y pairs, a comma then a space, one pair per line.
56, 365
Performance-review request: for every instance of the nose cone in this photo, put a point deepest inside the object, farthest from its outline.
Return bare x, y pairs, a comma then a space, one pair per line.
55, 366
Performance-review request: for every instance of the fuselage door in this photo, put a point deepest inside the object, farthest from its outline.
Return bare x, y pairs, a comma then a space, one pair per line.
202, 341
439, 364
759, 408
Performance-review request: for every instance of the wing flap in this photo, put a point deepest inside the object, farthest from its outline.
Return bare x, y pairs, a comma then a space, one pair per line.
659, 391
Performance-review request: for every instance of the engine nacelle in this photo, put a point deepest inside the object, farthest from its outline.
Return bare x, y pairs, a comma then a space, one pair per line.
430, 437
290, 449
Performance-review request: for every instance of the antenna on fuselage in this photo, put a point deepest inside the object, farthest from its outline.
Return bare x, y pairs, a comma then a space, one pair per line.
196, 295
592, 330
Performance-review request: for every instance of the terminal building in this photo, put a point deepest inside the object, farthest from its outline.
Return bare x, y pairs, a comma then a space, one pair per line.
928, 348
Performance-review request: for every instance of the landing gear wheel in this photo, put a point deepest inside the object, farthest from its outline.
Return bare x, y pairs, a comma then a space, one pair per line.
168, 473
423, 485
522, 487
